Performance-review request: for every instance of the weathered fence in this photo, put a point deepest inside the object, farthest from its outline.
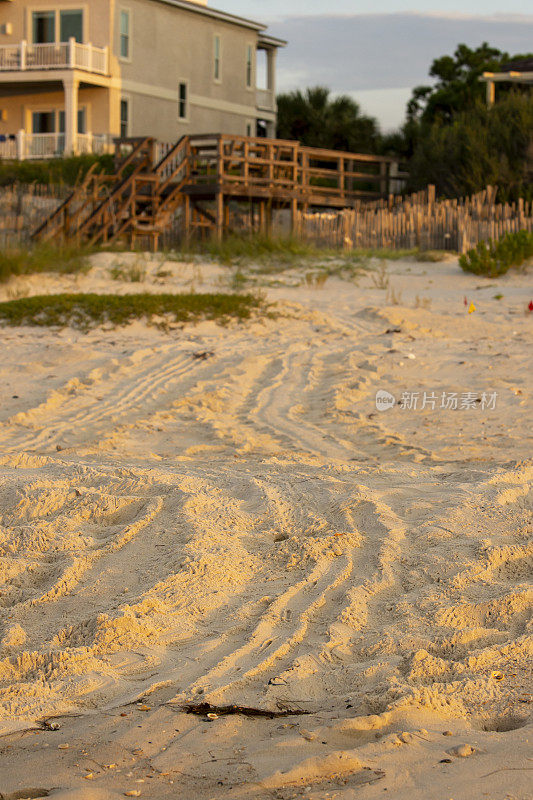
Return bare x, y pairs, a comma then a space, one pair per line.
418, 220
23, 207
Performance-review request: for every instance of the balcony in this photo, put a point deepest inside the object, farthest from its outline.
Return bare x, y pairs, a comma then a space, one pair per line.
24, 57
265, 100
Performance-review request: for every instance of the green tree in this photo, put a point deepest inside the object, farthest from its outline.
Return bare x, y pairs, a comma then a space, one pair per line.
479, 147
457, 83
317, 119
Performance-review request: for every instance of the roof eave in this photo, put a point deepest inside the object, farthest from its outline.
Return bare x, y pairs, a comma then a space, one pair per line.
215, 14
271, 41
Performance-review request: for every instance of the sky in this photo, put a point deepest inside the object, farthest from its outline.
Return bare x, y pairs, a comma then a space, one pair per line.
378, 50
266, 10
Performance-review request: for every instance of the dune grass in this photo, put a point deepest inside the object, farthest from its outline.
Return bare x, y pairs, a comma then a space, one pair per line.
87, 311
43, 258
284, 251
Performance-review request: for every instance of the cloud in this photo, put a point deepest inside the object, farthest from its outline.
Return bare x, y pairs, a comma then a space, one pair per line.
384, 51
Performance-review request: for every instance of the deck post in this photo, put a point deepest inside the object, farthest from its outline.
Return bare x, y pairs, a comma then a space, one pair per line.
491, 93
187, 218
219, 217
294, 215
384, 174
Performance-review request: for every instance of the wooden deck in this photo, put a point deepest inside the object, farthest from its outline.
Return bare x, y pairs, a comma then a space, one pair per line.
204, 176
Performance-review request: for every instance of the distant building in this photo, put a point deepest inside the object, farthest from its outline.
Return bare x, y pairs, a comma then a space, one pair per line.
518, 71
75, 74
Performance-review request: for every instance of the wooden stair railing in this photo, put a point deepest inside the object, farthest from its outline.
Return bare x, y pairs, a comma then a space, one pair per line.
106, 214
56, 223
141, 147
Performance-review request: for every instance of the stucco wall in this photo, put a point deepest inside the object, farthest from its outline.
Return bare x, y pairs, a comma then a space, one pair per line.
170, 45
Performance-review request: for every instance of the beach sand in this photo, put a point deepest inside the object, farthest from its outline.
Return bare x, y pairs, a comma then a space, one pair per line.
221, 515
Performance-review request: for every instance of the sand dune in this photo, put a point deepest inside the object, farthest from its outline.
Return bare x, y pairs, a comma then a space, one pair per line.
247, 528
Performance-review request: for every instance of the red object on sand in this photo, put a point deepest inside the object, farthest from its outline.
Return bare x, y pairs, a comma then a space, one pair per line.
465, 301
530, 306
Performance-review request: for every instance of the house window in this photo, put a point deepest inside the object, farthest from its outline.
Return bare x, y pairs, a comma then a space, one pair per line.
82, 121
182, 103
49, 27
54, 121
44, 27
43, 122
124, 118
249, 66
216, 71
125, 34
71, 25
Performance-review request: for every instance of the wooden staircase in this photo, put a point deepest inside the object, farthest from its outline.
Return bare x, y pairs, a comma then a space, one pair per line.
207, 176
137, 200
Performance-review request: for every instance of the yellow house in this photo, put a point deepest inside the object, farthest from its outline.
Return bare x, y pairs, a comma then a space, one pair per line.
74, 74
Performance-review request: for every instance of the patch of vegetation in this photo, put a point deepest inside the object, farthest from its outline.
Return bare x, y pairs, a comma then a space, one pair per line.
66, 171
273, 253
431, 256
394, 298
134, 273
237, 249
317, 279
43, 258
91, 310
495, 258
380, 278
422, 302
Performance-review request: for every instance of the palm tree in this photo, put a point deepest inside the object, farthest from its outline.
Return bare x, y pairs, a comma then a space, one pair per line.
317, 119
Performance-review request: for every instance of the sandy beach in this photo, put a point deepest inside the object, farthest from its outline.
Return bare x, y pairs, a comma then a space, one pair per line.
220, 519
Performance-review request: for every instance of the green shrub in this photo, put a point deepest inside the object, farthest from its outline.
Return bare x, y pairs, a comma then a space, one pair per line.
495, 258
66, 171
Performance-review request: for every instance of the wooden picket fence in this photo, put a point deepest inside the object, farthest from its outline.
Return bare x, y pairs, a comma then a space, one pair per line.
417, 221
23, 207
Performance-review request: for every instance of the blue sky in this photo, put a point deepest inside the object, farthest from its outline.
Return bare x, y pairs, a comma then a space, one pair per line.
378, 50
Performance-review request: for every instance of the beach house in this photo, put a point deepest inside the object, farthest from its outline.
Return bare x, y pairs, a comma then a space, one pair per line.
74, 74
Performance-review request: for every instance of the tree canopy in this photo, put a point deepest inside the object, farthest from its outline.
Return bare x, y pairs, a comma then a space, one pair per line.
479, 147
317, 119
458, 84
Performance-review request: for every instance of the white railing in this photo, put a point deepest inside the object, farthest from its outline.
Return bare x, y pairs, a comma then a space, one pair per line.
34, 146
66, 55
8, 148
96, 143
43, 145
265, 99
46, 56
